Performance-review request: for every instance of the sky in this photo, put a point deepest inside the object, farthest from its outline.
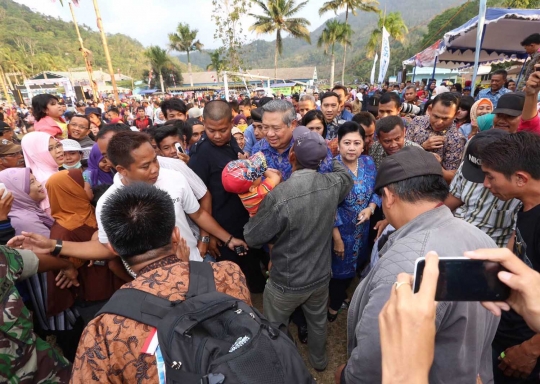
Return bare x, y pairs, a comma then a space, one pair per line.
150, 21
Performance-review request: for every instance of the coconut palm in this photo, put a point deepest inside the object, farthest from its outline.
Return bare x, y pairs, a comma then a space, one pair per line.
348, 5
158, 60
395, 26
278, 17
216, 63
334, 33
184, 40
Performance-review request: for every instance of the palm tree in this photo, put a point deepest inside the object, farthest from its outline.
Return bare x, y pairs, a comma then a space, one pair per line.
278, 17
334, 33
395, 26
353, 6
158, 59
184, 40
216, 63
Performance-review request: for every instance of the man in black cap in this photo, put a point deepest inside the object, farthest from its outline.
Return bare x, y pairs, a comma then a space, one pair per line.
298, 217
94, 115
508, 111
10, 155
413, 189
6, 133
472, 202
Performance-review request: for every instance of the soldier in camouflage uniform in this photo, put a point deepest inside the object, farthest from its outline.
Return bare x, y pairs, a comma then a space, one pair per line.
24, 357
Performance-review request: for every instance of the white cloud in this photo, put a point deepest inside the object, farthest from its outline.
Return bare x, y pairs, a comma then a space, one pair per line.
151, 21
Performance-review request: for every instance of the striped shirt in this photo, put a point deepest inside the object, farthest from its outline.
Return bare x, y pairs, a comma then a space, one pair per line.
495, 217
252, 200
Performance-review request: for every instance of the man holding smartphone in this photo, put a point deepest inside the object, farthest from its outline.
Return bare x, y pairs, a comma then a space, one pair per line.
413, 190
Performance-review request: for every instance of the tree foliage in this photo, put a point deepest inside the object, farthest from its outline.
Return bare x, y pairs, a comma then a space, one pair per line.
395, 26
279, 16
335, 32
348, 5
32, 42
230, 31
185, 40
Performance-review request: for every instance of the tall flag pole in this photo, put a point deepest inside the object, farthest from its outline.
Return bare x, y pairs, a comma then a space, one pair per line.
385, 55
479, 39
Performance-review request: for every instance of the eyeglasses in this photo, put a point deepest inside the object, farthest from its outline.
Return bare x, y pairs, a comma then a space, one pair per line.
78, 126
57, 147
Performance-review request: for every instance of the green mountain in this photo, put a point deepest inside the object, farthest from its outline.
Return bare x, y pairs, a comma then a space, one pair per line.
32, 42
416, 14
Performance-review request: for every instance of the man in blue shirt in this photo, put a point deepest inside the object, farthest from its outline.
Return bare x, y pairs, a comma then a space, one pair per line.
278, 123
343, 94
497, 89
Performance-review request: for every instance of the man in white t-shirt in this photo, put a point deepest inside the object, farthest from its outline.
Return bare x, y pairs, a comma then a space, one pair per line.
136, 161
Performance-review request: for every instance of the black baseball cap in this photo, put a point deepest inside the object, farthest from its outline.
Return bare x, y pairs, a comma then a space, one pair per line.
510, 104
91, 110
472, 162
407, 163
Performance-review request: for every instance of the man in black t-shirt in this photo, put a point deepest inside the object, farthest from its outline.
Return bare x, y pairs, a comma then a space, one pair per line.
209, 156
512, 171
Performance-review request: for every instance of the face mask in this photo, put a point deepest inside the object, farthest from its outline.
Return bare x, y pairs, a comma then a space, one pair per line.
76, 166
242, 127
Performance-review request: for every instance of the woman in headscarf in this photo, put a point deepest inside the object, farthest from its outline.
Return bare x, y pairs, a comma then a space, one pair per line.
98, 172
43, 154
438, 90
75, 220
26, 215
479, 108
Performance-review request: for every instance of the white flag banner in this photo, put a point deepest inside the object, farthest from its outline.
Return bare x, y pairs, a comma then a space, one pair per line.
385, 55
372, 78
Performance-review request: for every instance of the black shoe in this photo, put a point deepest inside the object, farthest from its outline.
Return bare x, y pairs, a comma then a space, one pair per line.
302, 334
331, 317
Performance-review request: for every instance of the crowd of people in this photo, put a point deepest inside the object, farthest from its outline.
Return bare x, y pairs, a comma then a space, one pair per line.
292, 198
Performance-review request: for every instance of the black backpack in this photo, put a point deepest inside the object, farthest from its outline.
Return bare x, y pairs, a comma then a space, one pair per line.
211, 337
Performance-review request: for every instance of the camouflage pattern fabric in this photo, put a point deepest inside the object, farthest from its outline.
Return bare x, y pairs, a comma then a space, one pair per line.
24, 357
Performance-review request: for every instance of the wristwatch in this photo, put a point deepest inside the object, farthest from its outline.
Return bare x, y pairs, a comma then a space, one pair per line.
204, 239
372, 209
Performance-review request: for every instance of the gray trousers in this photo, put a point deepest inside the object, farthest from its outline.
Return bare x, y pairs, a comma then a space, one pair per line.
279, 306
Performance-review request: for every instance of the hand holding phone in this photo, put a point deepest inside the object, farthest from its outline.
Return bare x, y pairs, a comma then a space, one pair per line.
179, 148
464, 279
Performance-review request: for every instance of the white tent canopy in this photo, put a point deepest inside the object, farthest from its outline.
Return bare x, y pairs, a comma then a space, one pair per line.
503, 32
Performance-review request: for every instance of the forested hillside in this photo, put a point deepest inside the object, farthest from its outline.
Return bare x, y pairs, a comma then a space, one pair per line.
32, 42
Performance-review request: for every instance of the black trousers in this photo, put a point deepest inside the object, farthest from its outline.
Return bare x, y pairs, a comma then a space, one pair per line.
250, 265
338, 292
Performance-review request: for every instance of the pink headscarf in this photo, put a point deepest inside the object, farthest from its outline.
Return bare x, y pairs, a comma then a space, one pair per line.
35, 146
26, 214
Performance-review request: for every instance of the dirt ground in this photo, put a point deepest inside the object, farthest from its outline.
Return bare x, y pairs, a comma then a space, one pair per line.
336, 344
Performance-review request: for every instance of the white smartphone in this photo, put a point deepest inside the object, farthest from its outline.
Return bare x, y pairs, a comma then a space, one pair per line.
3, 186
464, 279
179, 148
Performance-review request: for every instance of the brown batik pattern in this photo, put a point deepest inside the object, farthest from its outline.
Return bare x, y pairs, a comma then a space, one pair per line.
109, 349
